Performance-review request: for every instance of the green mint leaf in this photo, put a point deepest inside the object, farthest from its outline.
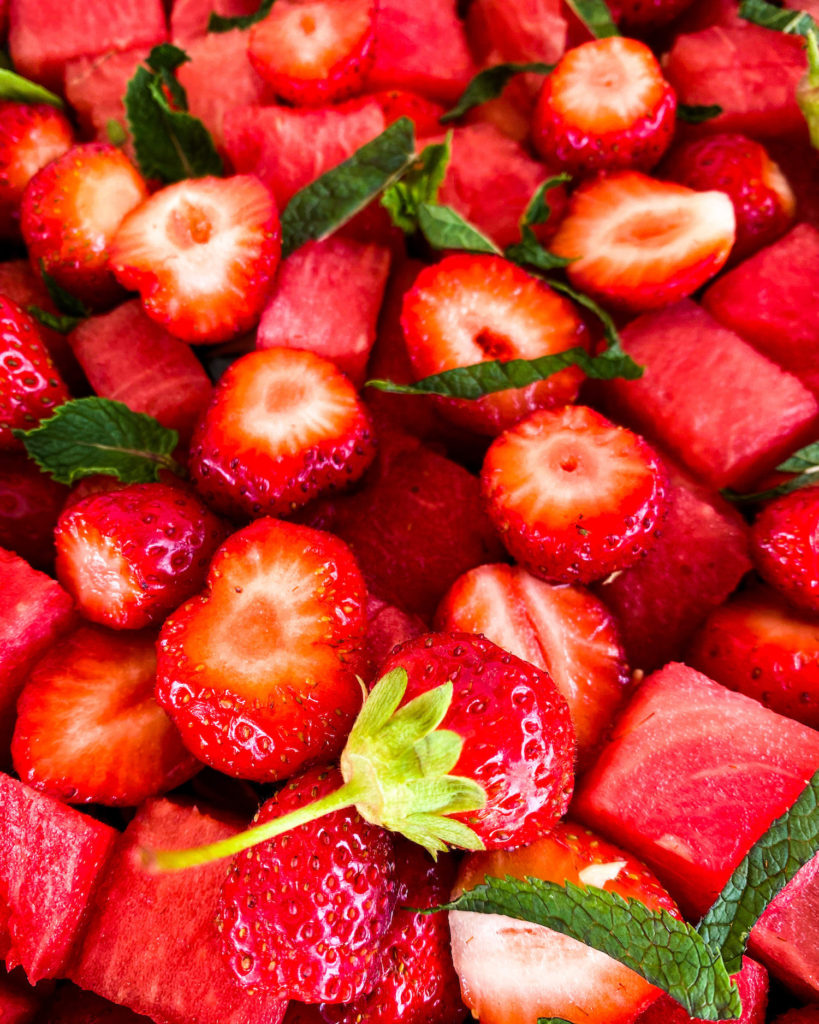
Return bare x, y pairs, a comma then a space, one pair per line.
529, 251
445, 228
96, 435
596, 16
553, 1020
217, 23
63, 299
804, 462
760, 12
697, 114
807, 91
790, 842
116, 132
665, 951
420, 184
62, 323
614, 351
489, 84
331, 200
21, 90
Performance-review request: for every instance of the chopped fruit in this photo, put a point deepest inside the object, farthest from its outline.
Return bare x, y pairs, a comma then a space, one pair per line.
423, 113
387, 626
73, 1006
471, 309
189, 18
565, 631
71, 211
784, 546
315, 51
131, 556
259, 671
606, 106
639, 243
96, 86
302, 915
19, 1001
88, 727
512, 971
30, 504
764, 203
283, 425
799, 1015
528, 30
752, 982
202, 254
645, 15
573, 496
30, 385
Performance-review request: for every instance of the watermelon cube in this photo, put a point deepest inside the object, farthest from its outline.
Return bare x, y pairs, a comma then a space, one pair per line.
527, 30
189, 18
95, 88
752, 983
30, 504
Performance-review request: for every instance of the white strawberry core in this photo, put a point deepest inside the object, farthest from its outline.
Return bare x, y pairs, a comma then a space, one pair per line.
104, 196
598, 874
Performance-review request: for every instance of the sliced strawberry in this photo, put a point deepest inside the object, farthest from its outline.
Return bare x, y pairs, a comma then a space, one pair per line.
30, 504
315, 51
88, 727
424, 113
472, 309
606, 106
259, 671
639, 243
202, 254
785, 546
512, 971
71, 211
573, 496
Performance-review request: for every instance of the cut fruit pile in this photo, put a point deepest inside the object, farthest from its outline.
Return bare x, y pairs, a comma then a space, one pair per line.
409, 544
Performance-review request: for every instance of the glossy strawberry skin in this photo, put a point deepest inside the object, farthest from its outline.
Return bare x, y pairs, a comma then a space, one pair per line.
302, 915
785, 549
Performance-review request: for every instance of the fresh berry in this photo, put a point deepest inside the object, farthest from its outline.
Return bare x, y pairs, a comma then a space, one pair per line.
72, 1005
202, 254
315, 51
574, 496
131, 556
424, 113
302, 916
283, 425
639, 243
88, 727
606, 106
30, 504
71, 211
785, 546
471, 309
259, 671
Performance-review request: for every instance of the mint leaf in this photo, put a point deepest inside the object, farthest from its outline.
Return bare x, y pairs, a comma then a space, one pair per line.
665, 951
529, 251
21, 90
790, 842
218, 23
96, 435
115, 130
807, 91
420, 184
690, 114
760, 12
331, 200
489, 84
804, 462
445, 228
57, 322
596, 16
63, 299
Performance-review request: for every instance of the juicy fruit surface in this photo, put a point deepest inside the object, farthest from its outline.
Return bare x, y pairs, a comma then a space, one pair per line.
784, 546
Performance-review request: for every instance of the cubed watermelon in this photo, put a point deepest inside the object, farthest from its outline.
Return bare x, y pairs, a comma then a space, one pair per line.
189, 18
95, 88
527, 30
30, 504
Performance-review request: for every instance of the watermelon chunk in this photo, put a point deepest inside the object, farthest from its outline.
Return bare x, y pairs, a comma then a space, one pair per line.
752, 983
95, 88
527, 30
30, 504
189, 18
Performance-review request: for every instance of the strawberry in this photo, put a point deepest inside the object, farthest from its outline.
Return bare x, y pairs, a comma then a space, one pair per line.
72, 1005
764, 203
30, 385
799, 1015
475, 308
31, 136
423, 112
752, 983
606, 106
639, 243
512, 971
574, 496
88, 727
70, 212
644, 15
282, 426
259, 671
302, 915
30, 503
130, 556
202, 254
315, 51
784, 546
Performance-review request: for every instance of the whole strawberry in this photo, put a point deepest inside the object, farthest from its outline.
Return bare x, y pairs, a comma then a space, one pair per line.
785, 546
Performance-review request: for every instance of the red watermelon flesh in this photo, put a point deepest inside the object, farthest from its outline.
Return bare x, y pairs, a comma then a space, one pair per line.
95, 88
72, 1005
30, 504
152, 943
189, 18
752, 983
19, 1001
688, 794
725, 410
525, 31
799, 162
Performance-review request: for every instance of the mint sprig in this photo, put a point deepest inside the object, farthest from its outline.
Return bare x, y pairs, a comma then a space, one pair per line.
596, 16
768, 15
804, 463
420, 184
22, 90
218, 23
73, 311
445, 228
489, 84
528, 251
693, 114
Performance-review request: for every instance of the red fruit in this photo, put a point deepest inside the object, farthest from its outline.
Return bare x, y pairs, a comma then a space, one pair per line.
752, 983
30, 384
19, 1001
202, 254
71, 211
606, 106
425, 114
573, 496
72, 1005
302, 915
88, 727
799, 1015
259, 671
472, 309
315, 51
645, 15
785, 546
512, 971
764, 203
639, 243
30, 503
129, 557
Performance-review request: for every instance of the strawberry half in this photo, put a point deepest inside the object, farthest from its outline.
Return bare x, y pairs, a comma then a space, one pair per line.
638, 243
785, 546
202, 254
606, 106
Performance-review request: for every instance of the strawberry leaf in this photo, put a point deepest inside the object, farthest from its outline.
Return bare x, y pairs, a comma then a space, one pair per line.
691, 114
489, 84
218, 23
804, 462
665, 951
96, 435
529, 251
760, 12
596, 16
790, 842
21, 90
445, 228
420, 184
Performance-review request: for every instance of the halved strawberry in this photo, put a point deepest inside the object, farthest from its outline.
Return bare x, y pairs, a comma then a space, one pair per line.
423, 112
202, 254
259, 671
605, 106
315, 51
70, 213
282, 426
639, 243
784, 546
89, 729
512, 971
574, 496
